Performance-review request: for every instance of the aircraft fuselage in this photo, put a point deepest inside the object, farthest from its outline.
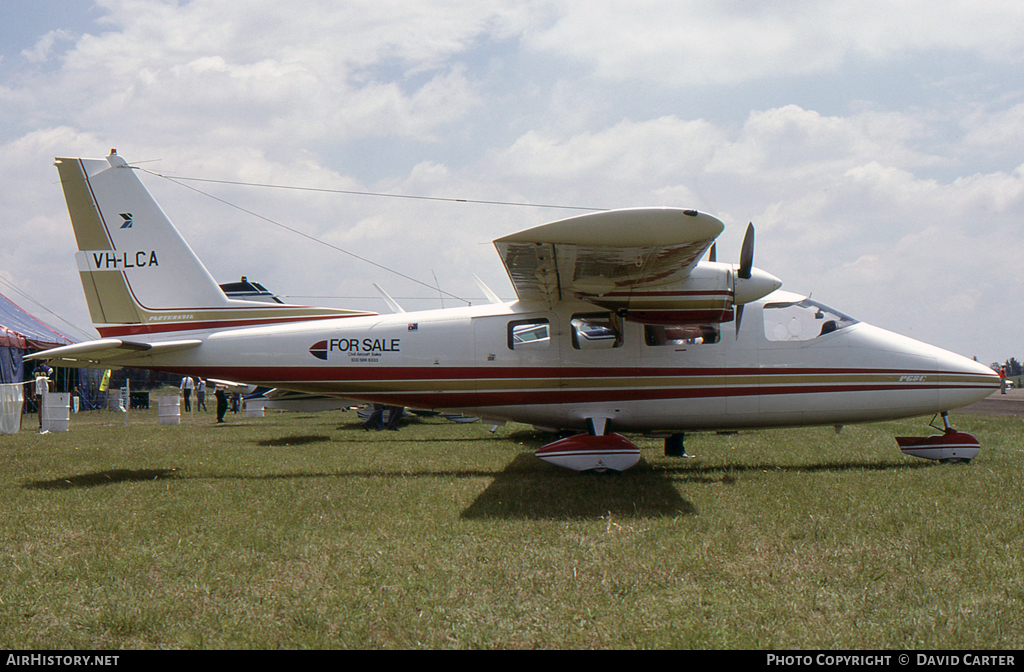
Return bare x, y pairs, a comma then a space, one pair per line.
489, 361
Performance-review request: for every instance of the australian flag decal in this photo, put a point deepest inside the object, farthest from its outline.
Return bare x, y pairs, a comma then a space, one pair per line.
127, 216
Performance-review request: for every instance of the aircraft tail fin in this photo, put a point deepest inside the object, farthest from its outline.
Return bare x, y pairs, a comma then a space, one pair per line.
138, 273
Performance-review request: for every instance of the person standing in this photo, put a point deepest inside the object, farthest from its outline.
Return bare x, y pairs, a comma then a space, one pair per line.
187, 385
222, 402
1002, 380
42, 386
201, 394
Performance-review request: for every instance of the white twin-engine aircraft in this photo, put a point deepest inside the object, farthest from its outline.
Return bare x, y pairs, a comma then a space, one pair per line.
618, 327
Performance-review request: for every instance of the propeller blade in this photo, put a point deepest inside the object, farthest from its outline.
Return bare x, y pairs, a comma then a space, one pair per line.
713, 254
747, 254
739, 318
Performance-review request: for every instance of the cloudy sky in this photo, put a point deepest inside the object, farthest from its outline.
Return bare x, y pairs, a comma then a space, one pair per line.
878, 147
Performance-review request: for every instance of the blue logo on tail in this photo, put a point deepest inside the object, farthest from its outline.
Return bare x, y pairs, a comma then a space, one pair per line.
127, 220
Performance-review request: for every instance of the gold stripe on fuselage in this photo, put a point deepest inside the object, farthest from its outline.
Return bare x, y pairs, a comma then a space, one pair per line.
890, 380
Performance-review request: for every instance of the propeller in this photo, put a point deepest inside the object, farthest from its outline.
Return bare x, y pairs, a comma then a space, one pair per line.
750, 283
743, 272
747, 253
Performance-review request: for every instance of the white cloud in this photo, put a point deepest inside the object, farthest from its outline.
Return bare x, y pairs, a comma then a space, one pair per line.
43, 48
693, 42
782, 139
270, 74
628, 164
995, 134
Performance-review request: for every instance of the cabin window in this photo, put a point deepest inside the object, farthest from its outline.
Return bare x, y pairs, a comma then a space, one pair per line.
802, 320
685, 334
596, 331
532, 334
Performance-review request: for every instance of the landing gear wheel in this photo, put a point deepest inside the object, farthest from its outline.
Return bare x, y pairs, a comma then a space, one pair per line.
950, 447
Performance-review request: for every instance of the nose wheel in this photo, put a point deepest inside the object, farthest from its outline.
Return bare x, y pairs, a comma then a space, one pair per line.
949, 447
949, 428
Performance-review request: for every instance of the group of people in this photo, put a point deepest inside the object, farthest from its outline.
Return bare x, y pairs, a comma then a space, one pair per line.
381, 416
198, 385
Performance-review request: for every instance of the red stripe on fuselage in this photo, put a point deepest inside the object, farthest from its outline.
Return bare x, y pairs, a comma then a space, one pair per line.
646, 293
440, 373
319, 380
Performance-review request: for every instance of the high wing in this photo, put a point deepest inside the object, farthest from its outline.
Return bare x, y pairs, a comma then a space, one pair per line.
603, 252
642, 263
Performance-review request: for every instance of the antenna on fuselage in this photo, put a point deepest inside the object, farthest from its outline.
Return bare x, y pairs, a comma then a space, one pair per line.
439, 292
488, 292
392, 304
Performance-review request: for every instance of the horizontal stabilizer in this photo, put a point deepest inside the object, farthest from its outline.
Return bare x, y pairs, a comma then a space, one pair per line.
232, 386
109, 352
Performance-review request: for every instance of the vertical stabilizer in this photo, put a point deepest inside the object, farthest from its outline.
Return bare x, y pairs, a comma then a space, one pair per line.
138, 273
130, 255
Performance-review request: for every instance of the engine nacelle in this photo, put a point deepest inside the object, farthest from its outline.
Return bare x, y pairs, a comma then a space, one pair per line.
707, 296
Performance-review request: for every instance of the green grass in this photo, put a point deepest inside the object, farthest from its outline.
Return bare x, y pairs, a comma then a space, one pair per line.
301, 530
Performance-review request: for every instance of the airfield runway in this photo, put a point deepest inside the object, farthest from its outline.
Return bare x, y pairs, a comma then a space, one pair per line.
1011, 403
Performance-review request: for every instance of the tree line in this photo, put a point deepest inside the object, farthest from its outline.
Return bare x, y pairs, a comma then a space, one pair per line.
1013, 367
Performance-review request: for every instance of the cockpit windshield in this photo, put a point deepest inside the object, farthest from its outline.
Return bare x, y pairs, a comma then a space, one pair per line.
802, 320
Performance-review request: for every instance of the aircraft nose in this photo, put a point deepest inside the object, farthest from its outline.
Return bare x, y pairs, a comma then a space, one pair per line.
930, 379
967, 381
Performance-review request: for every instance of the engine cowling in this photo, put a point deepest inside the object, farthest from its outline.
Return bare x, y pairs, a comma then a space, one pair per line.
707, 296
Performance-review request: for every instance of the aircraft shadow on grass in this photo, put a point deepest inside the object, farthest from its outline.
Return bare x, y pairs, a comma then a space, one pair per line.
294, 440
523, 490
532, 490
528, 489
109, 477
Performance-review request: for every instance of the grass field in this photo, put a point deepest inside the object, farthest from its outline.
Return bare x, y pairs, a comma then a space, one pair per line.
301, 530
